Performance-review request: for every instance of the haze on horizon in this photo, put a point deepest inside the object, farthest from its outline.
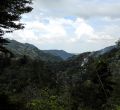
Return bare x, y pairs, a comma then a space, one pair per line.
72, 25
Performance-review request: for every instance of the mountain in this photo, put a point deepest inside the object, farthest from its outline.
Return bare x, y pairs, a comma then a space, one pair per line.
21, 49
103, 51
82, 59
88, 81
61, 53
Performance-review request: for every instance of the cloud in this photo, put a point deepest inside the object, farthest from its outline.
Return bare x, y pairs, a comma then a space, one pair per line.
61, 33
79, 8
72, 25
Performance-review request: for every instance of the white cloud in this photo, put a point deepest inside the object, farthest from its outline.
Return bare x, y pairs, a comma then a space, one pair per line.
48, 28
79, 8
83, 29
46, 33
53, 34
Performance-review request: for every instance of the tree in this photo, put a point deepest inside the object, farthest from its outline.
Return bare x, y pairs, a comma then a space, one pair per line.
118, 43
46, 101
2, 48
95, 89
10, 12
102, 80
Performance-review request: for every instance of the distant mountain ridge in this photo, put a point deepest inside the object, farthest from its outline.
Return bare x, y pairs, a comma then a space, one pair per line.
103, 51
20, 49
83, 58
63, 54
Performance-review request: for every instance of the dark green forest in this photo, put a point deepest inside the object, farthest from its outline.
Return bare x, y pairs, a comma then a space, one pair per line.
27, 84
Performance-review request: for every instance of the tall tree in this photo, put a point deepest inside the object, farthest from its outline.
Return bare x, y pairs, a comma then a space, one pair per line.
10, 12
103, 83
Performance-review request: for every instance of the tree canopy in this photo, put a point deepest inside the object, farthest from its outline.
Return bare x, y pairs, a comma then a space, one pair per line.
10, 14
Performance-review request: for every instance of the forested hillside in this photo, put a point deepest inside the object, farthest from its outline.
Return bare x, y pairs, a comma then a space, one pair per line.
29, 50
85, 82
63, 54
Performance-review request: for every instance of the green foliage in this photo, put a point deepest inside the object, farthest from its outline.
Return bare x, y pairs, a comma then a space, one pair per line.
45, 102
118, 108
39, 85
10, 11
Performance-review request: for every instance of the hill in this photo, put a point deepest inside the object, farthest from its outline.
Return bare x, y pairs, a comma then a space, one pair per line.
88, 81
61, 53
21, 49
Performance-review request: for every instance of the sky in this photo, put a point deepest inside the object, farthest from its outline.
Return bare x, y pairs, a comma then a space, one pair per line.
75, 26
